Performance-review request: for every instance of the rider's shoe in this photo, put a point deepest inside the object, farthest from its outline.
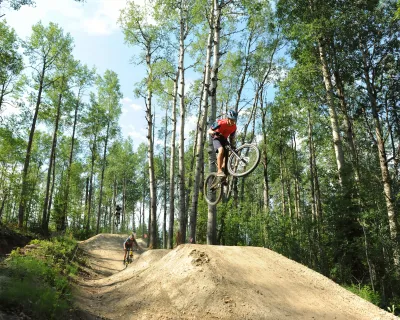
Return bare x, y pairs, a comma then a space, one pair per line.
221, 174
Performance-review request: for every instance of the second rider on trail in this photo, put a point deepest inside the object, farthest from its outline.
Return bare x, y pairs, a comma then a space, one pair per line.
221, 131
128, 244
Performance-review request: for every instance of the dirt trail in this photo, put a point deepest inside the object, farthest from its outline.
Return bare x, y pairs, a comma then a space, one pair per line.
210, 282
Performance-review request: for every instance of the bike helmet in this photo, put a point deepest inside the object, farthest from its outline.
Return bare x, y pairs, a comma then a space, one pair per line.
232, 114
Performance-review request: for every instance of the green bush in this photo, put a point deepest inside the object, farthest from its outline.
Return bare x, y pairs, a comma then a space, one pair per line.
37, 281
366, 293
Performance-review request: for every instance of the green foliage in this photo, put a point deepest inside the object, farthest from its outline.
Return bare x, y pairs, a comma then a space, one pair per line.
17, 4
366, 293
11, 63
394, 306
39, 277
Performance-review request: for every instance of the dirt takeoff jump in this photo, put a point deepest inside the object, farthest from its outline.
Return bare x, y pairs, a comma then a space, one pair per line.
209, 282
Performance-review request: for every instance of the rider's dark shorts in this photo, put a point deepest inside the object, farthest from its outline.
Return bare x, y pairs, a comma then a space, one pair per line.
219, 143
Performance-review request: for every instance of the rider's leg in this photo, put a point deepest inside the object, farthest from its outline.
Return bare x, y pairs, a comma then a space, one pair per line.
126, 250
220, 162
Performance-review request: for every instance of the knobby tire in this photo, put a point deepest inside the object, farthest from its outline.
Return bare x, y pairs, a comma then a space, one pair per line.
212, 196
249, 159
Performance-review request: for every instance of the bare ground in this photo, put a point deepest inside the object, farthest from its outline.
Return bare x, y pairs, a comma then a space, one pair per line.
209, 282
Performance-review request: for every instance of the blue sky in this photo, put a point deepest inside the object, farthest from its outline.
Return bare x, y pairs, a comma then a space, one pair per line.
98, 41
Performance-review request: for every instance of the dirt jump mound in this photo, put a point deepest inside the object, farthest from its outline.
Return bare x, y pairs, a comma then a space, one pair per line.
211, 282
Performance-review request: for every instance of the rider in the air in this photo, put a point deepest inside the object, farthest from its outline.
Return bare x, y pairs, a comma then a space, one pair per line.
118, 214
221, 130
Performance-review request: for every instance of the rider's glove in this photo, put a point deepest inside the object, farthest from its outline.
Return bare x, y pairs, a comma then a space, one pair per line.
216, 134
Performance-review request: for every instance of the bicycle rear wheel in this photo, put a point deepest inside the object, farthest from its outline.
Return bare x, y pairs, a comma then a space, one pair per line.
246, 160
212, 195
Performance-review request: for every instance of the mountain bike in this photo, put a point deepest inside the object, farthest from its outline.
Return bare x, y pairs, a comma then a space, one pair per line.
129, 257
117, 219
238, 163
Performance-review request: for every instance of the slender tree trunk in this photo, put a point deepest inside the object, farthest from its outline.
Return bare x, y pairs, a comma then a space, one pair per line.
71, 154
51, 191
282, 178
114, 203
348, 126
311, 161
2, 91
337, 142
296, 178
200, 138
181, 176
164, 226
123, 213
24, 188
86, 198
315, 193
265, 161
3, 202
45, 226
89, 207
387, 184
143, 207
216, 24
103, 169
172, 168
150, 137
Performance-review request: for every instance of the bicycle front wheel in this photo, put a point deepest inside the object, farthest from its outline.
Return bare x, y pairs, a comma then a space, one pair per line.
243, 160
212, 190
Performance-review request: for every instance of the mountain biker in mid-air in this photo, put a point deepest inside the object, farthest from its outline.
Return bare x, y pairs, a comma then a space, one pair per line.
118, 214
128, 244
221, 130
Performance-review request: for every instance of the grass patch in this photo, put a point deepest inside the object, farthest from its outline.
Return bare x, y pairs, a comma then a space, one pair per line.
36, 278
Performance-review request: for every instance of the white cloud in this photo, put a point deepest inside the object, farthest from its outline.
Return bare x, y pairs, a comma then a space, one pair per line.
136, 107
97, 26
45, 11
104, 19
126, 100
138, 135
191, 123
129, 105
92, 17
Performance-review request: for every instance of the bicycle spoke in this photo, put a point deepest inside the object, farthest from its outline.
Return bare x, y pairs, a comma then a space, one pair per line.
244, 161
212, 189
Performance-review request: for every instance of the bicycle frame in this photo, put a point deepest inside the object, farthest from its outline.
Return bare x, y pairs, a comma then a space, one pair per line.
236, 164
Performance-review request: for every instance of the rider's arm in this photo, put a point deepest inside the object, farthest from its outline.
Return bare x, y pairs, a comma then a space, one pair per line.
232, 140
212, 131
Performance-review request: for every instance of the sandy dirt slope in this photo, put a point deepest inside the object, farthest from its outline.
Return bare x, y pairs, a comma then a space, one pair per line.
210, 282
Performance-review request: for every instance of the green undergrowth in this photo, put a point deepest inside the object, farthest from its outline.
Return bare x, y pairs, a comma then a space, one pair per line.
374, 297
36, 278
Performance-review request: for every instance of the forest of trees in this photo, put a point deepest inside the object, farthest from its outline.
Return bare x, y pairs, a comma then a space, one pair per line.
317, 88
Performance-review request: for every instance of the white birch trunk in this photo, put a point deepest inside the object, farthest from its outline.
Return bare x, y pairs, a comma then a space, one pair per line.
212, 210
182, 198
200, 139
172, 169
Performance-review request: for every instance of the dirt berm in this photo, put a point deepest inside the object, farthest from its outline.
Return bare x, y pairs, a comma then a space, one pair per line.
209, 282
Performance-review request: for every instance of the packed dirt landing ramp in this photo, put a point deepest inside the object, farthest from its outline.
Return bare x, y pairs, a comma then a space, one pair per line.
215, 282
